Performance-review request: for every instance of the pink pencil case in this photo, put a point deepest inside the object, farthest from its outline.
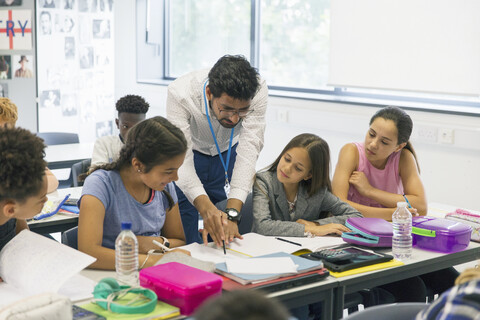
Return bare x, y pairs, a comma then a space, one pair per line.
467, 217
181, 285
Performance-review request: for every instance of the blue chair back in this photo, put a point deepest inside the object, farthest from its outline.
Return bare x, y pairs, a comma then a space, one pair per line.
396, 311
79, 168
54, 138
70, 237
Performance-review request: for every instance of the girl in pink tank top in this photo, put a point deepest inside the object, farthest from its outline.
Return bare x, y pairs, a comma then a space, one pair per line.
373, 176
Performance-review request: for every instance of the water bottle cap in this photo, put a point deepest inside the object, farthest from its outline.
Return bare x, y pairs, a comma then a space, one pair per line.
126, 225
402, 204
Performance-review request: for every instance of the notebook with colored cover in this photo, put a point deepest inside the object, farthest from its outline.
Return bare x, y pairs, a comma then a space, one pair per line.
303, 265
373, 267
162, 311
279, 283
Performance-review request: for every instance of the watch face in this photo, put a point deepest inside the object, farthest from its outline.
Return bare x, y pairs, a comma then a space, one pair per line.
232, 213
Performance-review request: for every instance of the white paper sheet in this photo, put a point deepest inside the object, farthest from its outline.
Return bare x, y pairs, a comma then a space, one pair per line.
261, 266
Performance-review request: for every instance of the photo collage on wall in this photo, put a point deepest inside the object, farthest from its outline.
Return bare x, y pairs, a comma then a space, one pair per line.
15, 36
75, 51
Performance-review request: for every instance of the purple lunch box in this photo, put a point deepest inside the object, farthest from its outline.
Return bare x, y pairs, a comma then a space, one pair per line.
438, 234
370, 232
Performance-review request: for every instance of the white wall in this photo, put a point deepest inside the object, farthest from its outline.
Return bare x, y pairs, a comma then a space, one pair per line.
450, 172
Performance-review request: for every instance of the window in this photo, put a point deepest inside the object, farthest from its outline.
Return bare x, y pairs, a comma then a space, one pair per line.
298, 49
294, 42
199, 31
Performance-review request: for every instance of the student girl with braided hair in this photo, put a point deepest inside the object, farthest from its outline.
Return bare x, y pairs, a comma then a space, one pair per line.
138, 188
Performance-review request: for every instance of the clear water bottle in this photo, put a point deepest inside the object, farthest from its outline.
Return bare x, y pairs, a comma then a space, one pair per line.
402, 232
126, 256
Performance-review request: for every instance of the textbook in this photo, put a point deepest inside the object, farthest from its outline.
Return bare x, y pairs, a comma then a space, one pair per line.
301, 265
31, 264
254, 244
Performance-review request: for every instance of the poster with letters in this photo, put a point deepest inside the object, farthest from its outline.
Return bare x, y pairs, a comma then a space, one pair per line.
15, 29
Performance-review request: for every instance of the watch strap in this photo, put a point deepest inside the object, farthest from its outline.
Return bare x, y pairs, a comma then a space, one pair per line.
233, 218
166, 243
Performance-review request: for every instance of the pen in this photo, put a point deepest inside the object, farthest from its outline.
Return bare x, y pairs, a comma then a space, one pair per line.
165, 249
285, 240
408, 202
51, 213
224, 250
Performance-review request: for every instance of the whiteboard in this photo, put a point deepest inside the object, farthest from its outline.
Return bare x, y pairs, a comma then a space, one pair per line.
412, 45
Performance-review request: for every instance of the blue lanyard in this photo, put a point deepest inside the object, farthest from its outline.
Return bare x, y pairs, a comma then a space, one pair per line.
225, 165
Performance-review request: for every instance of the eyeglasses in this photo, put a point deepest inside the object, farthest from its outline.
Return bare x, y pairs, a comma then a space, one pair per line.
231, 113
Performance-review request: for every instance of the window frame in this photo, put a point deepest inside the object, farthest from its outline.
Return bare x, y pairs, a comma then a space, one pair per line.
436, 104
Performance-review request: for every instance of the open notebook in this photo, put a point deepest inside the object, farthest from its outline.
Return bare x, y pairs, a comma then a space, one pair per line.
31, 264
254, 244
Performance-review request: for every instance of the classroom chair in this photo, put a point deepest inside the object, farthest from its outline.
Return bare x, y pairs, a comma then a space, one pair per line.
70, 238
77, 169
245, 225
396, 311
55, 138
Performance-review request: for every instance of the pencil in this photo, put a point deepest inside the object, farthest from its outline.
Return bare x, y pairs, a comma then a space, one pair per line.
408, 202
224, 250
285, 240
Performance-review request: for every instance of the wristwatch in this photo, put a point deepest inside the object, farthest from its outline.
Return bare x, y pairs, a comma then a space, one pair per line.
166, 243
233, 214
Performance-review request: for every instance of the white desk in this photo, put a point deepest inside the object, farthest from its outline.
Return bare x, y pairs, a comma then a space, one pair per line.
439, 210
423, 261
65, 155
58, 222
331, 291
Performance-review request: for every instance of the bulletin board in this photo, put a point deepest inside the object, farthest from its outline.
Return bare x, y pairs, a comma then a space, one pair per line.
75, 52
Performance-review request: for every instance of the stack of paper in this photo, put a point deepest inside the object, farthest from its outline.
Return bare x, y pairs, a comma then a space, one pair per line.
267, 269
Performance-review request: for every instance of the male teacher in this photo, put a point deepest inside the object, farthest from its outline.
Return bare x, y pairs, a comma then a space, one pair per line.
221, 111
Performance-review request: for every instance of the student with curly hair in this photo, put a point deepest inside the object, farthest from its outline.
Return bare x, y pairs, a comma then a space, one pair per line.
135, 188
23, 183
131, 110
9, 117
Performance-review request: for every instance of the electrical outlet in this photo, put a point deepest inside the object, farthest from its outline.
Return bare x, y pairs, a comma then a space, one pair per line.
427, 134
282, 115
445, 135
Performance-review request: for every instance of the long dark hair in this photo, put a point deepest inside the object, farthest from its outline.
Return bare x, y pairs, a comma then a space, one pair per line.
319, 154
404, 125
152, 141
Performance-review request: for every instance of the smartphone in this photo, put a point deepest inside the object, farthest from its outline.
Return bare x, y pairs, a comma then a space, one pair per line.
84, 314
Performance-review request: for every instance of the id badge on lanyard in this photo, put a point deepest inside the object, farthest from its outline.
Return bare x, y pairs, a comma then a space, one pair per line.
226, 187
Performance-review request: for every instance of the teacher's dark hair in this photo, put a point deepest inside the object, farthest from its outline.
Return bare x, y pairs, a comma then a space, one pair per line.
152, 141
234, 76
